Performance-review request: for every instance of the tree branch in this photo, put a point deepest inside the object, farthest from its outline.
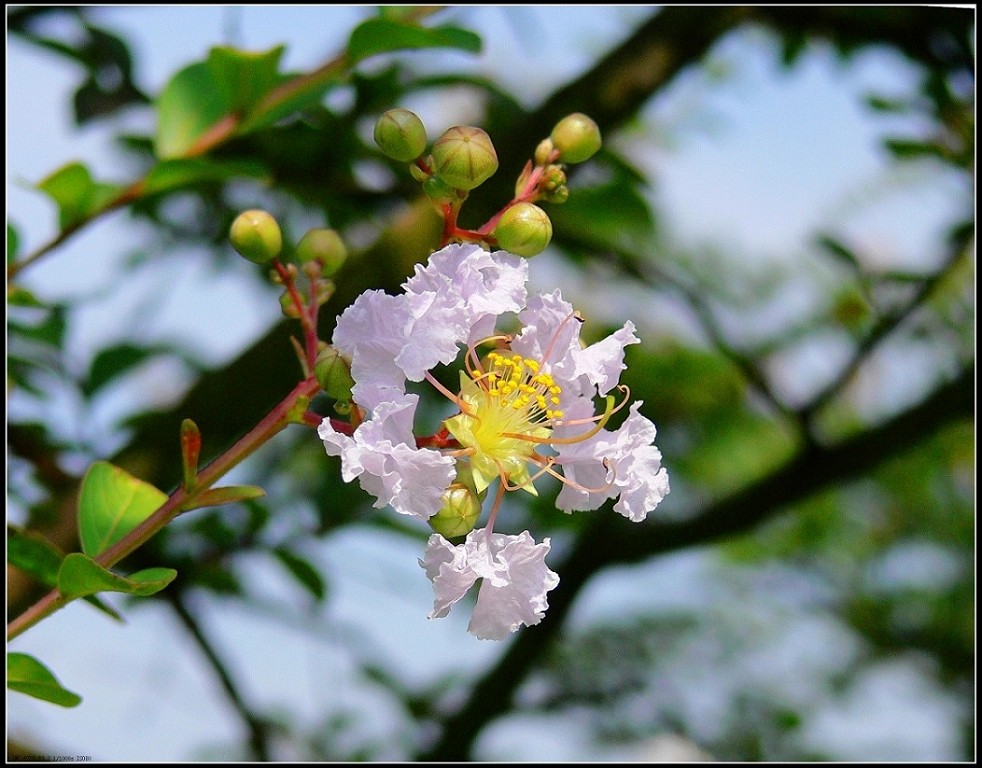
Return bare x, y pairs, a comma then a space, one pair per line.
611, 541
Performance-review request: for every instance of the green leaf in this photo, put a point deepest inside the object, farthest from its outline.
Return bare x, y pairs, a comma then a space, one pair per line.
33, 554
842, 252
215, 497
75, 193
21, 297
613, 214
243, 77
190, 104
13, 243
80, 576
26, 674
377, 36
301, 569
111, 504
112, 362
169, 175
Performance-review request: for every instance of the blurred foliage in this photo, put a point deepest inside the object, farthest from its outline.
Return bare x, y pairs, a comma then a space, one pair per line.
723, 423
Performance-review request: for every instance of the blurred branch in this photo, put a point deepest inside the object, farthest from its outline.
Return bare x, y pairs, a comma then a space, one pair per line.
887, 324
258, 727
611, 540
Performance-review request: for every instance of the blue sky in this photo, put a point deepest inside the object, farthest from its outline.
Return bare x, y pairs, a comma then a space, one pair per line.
757, 163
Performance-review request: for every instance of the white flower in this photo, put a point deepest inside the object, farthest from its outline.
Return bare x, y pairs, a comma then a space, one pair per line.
525, 407
382, 454
390, 339
514, 577
622, 463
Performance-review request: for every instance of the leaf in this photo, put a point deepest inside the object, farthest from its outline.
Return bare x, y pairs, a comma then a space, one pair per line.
111, 362
169, 175
842, 252
13, 243
376, 36
75, 193
26, 674
244, 77
18, 296
33, 554
613, 214
301, 569
189, 105
80, 576
111, 504
215, 497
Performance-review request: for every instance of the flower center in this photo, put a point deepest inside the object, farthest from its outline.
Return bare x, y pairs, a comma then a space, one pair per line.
506, 411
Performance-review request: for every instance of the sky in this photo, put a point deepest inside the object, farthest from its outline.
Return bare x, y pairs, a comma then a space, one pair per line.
760, 163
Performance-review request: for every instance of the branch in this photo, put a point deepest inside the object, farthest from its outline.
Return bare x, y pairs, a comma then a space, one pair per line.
611, 541
258, 727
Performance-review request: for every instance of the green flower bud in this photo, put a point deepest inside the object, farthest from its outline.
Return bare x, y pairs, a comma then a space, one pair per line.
333, 372
464, 157
576, 137
459, 513
290, 309
543, 151
325, 247
553, 178
256, 236
400, 134
438, 190
524, 229
557, 195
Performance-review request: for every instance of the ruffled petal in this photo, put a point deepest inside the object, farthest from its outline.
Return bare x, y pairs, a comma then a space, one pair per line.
383, 456
602, 363
625, 461
514, 577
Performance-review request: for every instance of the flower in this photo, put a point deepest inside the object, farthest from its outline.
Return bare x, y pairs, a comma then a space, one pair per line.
524, 408
514, 577
383, 455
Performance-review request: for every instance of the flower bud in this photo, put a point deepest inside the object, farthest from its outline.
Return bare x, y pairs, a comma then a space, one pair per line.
553, 177
464, 157
400, 134
288, 307
543, 151
459, 513
558, 195
256, 236
576, 137
325, 247
438, 190
333, 372
524, 229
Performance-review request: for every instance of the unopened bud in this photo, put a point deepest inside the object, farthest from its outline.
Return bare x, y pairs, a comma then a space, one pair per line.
400, 134
524, 229
553, 177
325, 247
438, 190
576, 137
289, 307
333, 372
557, 195
256, 236
459, 513
464, 157
543, 151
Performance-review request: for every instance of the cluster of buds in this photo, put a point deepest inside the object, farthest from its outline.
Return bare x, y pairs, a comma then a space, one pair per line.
464, 157
320, 253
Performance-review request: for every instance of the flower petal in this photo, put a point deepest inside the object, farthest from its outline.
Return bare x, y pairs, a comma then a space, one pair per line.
515, 579
383, 456
625, 461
